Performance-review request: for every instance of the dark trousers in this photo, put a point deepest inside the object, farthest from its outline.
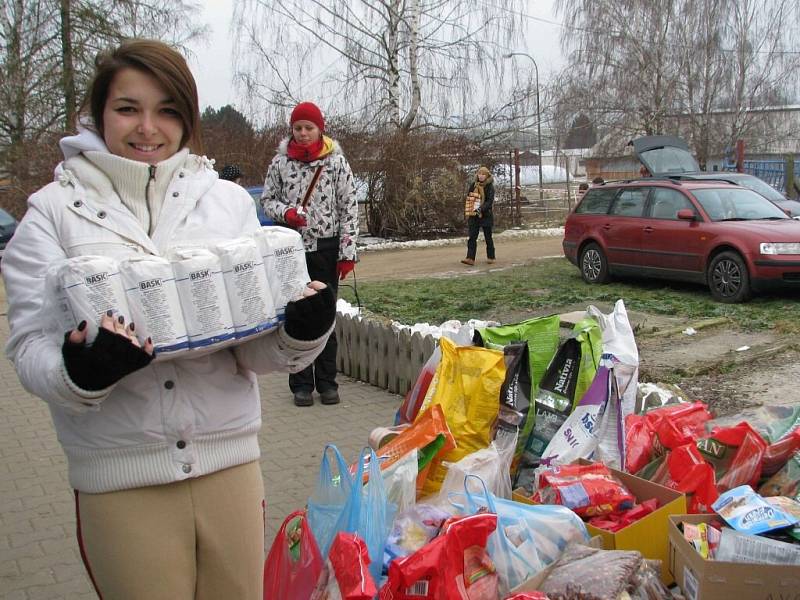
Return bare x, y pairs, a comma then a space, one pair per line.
322, 373
475, 225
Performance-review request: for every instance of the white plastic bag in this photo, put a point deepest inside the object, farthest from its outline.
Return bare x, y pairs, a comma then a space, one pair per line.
622, 357
492, 464
400, 481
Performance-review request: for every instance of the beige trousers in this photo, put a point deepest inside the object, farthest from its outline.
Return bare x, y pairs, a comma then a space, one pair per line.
197, 539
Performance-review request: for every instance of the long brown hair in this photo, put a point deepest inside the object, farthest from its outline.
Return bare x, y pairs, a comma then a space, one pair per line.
162, 62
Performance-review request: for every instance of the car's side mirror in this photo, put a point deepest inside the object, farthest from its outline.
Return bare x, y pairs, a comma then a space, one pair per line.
686, 214
788, 212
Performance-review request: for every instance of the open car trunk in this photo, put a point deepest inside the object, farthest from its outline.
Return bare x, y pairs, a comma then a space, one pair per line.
664, 155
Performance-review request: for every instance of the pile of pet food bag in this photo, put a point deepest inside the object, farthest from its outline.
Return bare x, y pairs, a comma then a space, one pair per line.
427, 511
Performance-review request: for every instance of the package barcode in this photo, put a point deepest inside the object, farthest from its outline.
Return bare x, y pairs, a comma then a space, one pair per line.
418, 589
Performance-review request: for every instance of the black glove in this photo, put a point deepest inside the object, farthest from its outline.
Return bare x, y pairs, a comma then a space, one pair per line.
110, 358
311, 317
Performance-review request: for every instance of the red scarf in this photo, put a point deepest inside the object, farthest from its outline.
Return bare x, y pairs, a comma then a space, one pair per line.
308, 153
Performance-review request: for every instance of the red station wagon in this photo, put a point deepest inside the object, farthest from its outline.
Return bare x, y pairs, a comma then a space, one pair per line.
718, 234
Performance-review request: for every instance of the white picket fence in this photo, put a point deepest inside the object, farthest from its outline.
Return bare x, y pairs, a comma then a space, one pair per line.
372, 352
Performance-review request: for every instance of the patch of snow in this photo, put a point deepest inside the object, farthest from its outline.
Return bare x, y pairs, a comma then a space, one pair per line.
366, 243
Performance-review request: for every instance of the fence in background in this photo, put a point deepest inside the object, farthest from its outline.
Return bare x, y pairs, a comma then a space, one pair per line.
372, 352
771, 171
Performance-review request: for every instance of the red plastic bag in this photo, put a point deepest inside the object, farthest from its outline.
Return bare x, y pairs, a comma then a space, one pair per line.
409, 409
684, 469
649, 436
588, 490
779, 453
294, 563
736, 453
346, 574
453, 566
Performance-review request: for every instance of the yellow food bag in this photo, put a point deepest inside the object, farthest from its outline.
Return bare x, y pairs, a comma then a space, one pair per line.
467, 386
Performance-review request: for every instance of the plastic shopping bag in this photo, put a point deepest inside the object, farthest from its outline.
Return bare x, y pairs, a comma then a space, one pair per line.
345, 576
294, 563
328, 500
528, 537
490, 464
468, 391
622, 357
648, 436
368, 511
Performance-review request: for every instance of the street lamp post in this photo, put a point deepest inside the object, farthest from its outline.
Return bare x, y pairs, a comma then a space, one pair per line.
538, 115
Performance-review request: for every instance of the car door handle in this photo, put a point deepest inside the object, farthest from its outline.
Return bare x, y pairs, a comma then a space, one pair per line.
607, 226
649, 229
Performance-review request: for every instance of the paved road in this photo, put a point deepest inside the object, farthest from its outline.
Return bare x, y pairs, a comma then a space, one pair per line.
38, 552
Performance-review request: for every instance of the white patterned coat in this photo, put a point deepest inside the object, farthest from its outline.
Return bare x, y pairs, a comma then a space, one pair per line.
332, 210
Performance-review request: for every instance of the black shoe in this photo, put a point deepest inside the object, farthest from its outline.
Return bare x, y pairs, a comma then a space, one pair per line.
303, 398
329, 397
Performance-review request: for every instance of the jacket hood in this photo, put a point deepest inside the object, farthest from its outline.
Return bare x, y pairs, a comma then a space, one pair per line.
85, 140
283, 146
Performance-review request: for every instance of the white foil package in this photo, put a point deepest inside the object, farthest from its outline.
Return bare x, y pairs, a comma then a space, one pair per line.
251, 302
201, 289
285, 264
92, 286
155, 307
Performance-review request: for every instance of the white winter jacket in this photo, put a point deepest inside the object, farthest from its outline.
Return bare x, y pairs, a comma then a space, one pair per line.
332, 210
171, 420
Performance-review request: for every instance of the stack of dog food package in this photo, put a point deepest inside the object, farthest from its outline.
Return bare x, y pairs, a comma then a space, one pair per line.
527, 462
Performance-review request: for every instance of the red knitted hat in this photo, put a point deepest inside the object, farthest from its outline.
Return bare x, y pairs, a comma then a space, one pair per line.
308, 111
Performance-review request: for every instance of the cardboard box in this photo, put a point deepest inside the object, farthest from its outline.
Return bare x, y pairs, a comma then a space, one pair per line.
647, 535
702, 579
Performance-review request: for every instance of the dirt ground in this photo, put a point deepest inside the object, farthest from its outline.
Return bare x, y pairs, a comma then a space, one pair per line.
733, 371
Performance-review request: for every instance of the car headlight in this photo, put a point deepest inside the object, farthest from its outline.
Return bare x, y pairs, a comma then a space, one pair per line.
779, 248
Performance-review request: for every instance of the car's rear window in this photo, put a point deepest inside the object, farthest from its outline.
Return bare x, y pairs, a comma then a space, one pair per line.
596, 202
736, 204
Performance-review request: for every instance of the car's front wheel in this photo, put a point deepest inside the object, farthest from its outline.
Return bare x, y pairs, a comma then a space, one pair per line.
594, 266
728, 278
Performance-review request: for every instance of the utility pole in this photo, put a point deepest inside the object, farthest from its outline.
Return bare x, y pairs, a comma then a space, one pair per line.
538, 116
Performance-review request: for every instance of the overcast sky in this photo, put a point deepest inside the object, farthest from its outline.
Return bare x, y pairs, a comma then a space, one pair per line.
213, 70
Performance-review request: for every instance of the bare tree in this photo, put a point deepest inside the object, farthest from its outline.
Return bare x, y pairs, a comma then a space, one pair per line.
699, 66
406, 63
47, 58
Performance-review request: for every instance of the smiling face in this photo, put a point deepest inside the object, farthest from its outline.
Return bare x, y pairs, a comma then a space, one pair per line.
305, 132
140, 121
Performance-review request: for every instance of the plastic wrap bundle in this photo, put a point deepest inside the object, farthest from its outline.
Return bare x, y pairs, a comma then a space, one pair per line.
57, 312
284, 263
92, 286
251, 302
155, 307
204, 301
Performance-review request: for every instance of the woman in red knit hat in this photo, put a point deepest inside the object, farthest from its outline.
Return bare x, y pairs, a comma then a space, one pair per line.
309, 187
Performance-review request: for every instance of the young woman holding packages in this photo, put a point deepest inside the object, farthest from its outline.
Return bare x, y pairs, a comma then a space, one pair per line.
309, 187
480, 216
163, 457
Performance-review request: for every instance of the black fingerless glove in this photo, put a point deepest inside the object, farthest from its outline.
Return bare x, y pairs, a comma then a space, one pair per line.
311, 317
110, 358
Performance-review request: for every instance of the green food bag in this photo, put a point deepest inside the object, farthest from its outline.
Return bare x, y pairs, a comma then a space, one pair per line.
587, 333
541, 336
